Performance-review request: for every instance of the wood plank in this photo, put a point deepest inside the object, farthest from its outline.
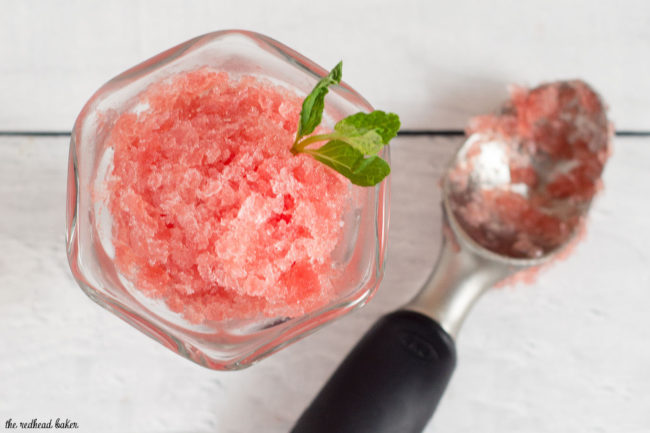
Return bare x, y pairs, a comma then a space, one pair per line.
568, 353
436, 65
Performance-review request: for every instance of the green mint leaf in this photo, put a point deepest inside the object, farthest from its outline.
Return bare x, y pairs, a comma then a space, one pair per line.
350, 162
355, 142
369, 143
313, 105
384, 124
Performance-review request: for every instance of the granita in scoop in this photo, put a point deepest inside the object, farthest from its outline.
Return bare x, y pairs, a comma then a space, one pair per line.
211, 210
531, 171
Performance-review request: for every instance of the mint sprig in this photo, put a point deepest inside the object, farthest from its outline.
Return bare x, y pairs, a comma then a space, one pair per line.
352, 147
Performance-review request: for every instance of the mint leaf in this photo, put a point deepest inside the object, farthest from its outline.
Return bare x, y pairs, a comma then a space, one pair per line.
313, 105
370, 172
352, 147
384, 124
369, 143
351, 163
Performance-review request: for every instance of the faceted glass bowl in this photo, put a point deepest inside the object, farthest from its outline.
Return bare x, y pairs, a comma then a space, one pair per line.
230, 344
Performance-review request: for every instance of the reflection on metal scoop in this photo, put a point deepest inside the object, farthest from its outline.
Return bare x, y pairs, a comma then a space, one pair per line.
516, 194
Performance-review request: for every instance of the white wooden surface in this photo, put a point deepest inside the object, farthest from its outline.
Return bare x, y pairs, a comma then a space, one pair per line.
433, 62
570, 353
567, 354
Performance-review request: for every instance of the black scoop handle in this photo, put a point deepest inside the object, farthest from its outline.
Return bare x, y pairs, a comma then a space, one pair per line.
390, 382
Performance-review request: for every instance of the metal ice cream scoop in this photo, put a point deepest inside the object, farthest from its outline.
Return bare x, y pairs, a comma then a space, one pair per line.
394, 378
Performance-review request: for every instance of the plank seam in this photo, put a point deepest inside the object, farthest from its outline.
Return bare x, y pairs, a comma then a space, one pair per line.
402, 133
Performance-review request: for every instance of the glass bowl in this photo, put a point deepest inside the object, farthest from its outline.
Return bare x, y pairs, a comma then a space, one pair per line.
234, 343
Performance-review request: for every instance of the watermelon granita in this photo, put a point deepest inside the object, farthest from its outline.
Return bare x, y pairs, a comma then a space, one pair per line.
211, 211
549, 146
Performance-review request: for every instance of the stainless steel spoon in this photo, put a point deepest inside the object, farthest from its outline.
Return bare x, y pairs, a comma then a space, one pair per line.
394, 378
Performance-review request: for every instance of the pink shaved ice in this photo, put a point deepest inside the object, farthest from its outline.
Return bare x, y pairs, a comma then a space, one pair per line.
211, 211
556, 140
